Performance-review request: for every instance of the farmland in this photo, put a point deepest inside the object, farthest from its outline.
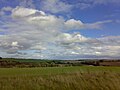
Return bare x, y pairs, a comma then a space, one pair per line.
29, 63
60, 78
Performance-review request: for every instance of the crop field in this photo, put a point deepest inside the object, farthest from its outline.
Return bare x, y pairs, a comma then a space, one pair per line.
60, 78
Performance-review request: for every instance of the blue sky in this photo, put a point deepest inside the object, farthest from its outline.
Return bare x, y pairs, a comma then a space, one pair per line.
47, 28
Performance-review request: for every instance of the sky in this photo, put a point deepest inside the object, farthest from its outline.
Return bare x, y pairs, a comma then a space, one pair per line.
60, 29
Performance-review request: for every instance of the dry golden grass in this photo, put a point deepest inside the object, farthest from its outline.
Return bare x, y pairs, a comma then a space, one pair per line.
87, 80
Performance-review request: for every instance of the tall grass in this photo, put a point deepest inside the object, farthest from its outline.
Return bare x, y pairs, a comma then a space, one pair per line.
86, 78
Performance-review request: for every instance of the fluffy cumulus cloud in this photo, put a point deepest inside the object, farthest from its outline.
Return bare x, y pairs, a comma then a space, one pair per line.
32, 33
74, 24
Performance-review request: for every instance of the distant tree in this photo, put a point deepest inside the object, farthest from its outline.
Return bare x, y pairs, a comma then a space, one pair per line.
0, 57
101, 60
97, 63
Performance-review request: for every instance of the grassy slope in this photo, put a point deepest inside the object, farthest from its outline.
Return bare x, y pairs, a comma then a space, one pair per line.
60, 78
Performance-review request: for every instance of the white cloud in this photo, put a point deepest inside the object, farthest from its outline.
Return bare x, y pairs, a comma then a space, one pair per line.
24, 12
84, 4
14, 44
97, 25
105, 1
27, 3
4, 10
32, 33
2, 13
55, 6
74, 24
7, 8
67, 38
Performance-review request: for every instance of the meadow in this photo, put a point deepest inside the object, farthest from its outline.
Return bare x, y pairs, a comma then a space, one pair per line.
60, 78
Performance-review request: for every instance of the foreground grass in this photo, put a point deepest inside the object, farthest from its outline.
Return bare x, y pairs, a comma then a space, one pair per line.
60, 78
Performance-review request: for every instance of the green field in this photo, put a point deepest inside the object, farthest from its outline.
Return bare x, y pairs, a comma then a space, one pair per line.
60, 78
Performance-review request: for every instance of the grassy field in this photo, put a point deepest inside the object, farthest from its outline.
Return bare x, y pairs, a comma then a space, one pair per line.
60, 78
